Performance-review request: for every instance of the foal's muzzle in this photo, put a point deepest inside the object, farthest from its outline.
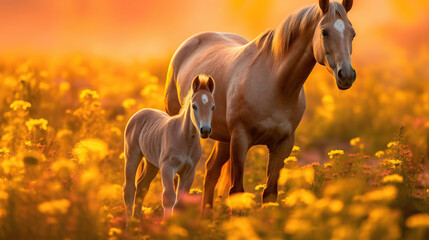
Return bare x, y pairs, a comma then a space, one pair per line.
345, 77
205, 131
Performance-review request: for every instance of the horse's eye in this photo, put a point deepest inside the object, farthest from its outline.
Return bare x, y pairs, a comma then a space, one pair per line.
213, 107
325, 34
354, 35
194, 106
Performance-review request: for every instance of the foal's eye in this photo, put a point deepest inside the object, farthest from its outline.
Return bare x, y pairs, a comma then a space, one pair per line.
325, 34
354, 35
194, 106
213, 107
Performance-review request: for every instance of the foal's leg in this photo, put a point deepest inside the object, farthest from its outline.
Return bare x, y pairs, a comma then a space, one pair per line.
239, 146
278, 152
185, 184
133, 157
168, 193
148, 173
218, 157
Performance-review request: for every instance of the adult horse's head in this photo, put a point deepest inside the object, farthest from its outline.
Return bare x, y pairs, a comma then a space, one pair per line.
332, 42
202, 104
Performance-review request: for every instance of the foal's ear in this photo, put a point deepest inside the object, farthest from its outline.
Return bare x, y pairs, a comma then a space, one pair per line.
347, 4
196, 83
211, 84
324, 5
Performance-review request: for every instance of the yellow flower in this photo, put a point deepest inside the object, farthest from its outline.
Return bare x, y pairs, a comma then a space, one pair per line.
115, 231
44, 86
336, 205
327, 165
332, 205
260, 187
149, 89
19, 104
418, 220
296, 226
115, 131
41, 123
334, 153
195, 191
63, 133
393, 162
290, 159
392, 144
147, 210
109, 192
129, 103
270, 205
387, 193
239, 228
382, 223
88, 96
299, 196
241, 201
90, 150
3, 195
379, 154
176, 230
304, 174
64, 87
296, 149
4, 152
54, 206
394, 178
355, 141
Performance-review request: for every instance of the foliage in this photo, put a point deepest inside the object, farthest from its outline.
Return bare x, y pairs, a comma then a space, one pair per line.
61, 160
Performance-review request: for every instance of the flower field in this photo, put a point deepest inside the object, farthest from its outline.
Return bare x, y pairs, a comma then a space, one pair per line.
357, 170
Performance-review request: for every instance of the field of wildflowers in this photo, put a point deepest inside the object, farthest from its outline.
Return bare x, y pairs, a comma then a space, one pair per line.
358, 170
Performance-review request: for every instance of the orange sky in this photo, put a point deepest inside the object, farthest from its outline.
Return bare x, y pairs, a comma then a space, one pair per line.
145, 29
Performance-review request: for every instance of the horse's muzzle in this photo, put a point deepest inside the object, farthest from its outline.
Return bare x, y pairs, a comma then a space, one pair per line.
205, 131
345, 77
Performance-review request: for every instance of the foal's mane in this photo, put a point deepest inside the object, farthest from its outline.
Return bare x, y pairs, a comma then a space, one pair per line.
203, 85
278, 41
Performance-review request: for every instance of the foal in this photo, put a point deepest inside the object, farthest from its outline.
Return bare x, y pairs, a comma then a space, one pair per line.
169, 144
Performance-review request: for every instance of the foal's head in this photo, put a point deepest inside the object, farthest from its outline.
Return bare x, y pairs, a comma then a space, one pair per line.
332, 41
202, 104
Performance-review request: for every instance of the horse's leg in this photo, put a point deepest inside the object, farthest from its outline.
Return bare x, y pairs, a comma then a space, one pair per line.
148, 173
133, 157
218, 157
168, 193
239, 147
278, 152
185, 184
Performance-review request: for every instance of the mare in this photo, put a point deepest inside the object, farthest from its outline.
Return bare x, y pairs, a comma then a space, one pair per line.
259, 95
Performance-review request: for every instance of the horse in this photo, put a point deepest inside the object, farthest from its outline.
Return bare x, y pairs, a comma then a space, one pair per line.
170, 145
260, 96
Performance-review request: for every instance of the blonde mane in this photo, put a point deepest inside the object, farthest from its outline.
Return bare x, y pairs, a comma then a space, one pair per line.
278, 41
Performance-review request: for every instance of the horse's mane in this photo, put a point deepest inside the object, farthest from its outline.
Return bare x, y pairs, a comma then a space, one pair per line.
279, 40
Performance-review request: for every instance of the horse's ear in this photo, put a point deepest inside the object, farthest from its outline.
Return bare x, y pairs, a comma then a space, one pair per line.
347, 4
324, 5
196, 83
211, 84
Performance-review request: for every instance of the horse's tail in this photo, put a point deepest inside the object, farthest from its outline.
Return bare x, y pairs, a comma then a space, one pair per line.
171, 97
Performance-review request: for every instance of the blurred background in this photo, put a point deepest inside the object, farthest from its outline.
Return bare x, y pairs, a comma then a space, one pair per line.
143, 30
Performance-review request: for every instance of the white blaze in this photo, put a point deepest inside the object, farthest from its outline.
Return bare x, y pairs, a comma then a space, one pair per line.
204, 98
339, 25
